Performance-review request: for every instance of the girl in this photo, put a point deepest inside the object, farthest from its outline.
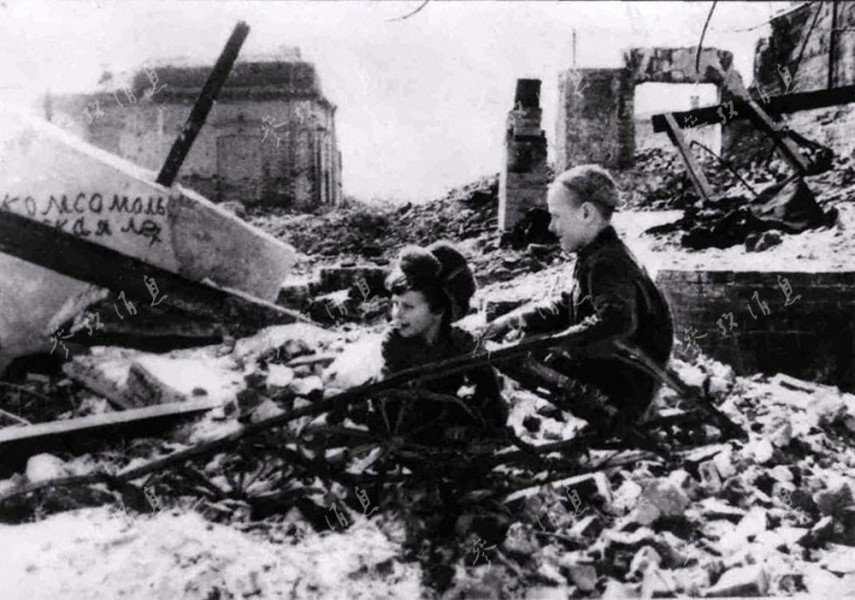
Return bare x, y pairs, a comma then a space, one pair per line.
431, 289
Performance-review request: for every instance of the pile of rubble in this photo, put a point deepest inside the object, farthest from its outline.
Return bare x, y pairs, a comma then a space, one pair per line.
772, 515
376, 232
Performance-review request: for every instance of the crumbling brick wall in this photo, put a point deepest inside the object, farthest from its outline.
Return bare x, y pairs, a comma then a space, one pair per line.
270, 138
800, 55
812, 338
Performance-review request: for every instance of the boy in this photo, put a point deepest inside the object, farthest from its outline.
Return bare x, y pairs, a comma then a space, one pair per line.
610, 297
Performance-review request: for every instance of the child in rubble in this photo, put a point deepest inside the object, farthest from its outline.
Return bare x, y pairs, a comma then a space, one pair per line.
431, 289
611, 297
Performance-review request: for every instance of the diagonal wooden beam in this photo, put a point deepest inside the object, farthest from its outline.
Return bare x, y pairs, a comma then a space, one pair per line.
696, 174
203, 105
81, 259
788, 103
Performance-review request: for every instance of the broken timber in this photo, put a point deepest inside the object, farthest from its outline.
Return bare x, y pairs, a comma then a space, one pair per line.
788, 103
363, 392
203, 105
81, 259
18, 443
694, 169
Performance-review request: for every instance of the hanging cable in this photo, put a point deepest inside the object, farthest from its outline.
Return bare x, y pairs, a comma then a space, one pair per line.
759, 25
701, 43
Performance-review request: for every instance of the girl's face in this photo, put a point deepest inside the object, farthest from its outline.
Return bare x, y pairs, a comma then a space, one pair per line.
413, 316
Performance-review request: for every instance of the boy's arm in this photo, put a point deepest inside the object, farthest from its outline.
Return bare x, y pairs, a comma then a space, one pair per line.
545, 316
613, 295
548, 315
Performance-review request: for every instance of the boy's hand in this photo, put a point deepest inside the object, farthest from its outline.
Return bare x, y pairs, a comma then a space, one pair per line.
498, 328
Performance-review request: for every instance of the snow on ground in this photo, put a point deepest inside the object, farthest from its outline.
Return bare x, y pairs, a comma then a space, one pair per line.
95, 554
818, 250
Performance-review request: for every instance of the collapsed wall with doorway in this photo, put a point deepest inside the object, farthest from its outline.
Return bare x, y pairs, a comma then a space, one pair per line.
596, 121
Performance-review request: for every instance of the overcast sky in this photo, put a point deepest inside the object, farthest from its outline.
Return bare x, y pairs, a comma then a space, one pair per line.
421, 102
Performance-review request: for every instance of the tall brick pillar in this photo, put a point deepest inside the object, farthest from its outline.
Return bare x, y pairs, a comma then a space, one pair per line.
594, 122
524, 178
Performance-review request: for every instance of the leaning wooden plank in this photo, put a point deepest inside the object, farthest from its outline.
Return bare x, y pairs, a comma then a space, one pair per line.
76, 436
696, 174
87, 261
203, 105
104, 420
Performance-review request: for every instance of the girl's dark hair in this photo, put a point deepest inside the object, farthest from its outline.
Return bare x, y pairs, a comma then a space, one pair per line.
440, 273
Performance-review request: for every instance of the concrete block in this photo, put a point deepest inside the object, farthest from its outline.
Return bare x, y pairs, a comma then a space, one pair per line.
53, 177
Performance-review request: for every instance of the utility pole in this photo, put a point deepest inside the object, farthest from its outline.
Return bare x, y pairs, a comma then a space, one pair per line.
574, 47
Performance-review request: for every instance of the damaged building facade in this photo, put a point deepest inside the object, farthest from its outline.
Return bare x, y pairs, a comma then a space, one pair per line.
810, 48
595, 120
270, 139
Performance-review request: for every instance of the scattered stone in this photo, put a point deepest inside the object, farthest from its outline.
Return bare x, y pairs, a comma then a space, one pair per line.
279, 377
759, 450
741, 581
782, 474
709, 476
644, 559
833, 500
42, 467
830, 408
838, 559
819, 583
267, 409
615, 590
792, 535
724, 463
712, 508
822, 531
750, 525
782, 435
305, 386
626, 495
691, 581
667, 497
658, 584
551, 574
154, 379
583, 577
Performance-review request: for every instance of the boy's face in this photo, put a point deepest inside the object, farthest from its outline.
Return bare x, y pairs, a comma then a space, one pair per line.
572, 220
412, 314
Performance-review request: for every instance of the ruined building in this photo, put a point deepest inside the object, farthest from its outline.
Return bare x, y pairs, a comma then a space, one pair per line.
270, 138
524, 177
811, 47
595, 120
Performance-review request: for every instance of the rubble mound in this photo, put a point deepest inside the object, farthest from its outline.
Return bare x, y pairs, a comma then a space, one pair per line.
771, 515
378, 231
